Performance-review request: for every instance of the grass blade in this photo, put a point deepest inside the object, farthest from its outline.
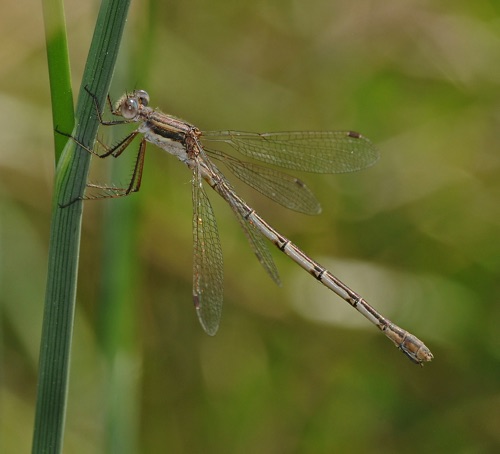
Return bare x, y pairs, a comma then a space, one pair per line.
71, 175
59, 71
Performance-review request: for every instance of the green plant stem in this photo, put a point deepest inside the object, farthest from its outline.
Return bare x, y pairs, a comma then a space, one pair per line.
59, 71
71, 175
118, 323
118, 333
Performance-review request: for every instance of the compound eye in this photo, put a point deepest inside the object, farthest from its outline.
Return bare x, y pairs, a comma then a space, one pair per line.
130, 108
143, 97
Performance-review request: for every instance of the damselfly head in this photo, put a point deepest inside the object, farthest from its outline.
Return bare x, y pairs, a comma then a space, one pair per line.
129, 105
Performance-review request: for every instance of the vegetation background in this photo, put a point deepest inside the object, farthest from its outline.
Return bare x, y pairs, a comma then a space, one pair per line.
292, 369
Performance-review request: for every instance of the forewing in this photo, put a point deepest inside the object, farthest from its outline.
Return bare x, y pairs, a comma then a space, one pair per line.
309, 151
208, 273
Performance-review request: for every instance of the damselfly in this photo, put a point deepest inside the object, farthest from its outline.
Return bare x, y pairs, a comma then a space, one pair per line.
321, 152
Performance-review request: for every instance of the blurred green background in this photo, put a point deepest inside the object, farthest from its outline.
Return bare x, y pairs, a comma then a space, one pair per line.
292, 369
